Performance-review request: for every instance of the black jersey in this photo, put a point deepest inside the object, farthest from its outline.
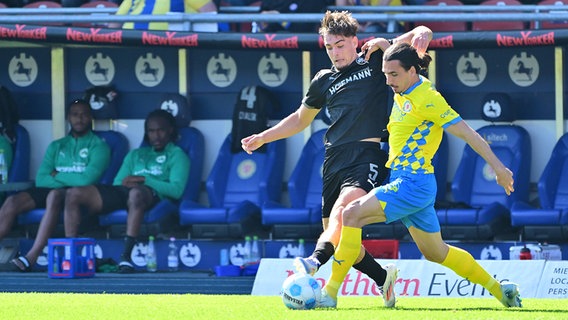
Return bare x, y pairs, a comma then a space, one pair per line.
356, 98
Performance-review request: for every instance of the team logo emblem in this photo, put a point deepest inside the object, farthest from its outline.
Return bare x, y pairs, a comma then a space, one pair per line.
138, 254
99, 69
221, 70
272, 70
149, 70
23, 70
83, 153
170, 106
190, 254
288, 251
491, 253
161, 159
237, 254
492, 109
523, 69
471, 69
246, 169
406, 106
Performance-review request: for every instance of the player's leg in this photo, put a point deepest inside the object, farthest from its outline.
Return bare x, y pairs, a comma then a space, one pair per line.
54, 207
358, 213
463, 264
326, 243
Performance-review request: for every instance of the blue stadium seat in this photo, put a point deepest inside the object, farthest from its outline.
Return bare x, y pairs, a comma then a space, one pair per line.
237, 186
20, 168
303, 218
119, 146
485, 210
164, 216
549, 222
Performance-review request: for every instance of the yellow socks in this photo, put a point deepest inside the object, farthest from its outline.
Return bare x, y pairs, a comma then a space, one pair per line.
462, 263
345, 255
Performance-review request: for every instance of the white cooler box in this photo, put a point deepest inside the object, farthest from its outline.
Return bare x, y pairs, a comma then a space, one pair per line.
538, 252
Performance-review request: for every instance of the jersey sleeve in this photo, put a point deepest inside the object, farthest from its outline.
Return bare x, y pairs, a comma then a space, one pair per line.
125, 169
44, 179
315, 98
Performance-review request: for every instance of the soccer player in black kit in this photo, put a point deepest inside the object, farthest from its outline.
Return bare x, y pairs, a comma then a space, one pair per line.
355, 92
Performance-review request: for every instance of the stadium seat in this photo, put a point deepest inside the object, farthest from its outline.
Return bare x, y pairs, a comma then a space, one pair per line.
164, 216
553, 24
119, 147
443, 26
43, 4
20, 168
237, 186
96, 5
118, 144
481, 209
303, 218
549, 222
499, 25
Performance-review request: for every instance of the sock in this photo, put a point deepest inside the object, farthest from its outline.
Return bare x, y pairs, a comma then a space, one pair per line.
323, 252
462, 263
346, 253
129, 243
372, 268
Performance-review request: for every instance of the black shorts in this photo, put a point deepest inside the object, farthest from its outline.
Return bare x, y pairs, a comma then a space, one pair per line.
116, 197
358, 164
39, 195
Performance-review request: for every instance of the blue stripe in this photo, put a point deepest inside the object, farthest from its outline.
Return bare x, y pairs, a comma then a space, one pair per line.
148, 9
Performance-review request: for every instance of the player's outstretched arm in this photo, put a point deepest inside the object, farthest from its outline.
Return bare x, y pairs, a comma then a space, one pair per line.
503, 175
289, 126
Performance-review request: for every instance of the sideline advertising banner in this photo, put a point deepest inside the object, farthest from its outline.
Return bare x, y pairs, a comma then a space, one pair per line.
421, 278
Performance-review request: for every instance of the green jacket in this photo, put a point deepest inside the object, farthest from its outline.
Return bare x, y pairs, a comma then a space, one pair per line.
78, 162
166, 171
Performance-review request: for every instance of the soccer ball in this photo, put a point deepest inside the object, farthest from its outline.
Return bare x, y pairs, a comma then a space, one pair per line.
300, 291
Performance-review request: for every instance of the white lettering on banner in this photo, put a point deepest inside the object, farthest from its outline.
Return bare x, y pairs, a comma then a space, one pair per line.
554, 282
421, 278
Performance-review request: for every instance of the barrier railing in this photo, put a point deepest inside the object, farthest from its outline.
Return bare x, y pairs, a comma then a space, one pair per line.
388, 14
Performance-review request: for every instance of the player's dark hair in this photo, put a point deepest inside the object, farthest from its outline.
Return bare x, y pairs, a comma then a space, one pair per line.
339, 23
167, 117
81, 102
408, 56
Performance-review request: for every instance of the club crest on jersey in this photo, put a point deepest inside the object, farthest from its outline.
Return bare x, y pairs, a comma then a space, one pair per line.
83, 153
406, 106
161, 159
360, 61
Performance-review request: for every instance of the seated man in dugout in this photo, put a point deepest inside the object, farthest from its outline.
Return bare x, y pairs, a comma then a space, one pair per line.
78, 159
147, 175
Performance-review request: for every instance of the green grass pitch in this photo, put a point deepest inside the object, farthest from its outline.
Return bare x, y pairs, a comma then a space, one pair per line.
210, 307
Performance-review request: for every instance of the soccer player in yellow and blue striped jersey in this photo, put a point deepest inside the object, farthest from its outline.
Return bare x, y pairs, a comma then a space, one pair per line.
419, 116
159, 7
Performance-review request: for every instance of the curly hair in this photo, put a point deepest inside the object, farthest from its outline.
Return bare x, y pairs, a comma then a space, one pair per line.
167, 117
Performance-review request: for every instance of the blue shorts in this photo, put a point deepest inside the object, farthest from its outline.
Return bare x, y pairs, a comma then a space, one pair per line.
410, 198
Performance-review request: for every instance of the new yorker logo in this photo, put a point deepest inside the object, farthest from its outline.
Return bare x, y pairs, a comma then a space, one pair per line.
525, 40
169, 40
20, 33
443, 42
270, 42
365, 73
94, 36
